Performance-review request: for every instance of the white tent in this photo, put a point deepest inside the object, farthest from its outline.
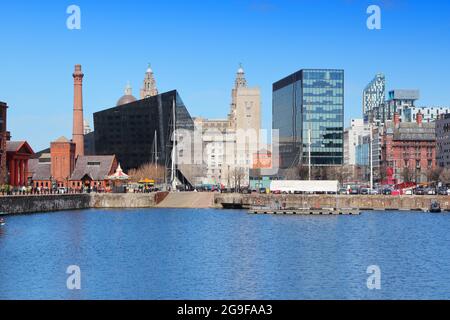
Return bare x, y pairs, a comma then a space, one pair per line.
291, 186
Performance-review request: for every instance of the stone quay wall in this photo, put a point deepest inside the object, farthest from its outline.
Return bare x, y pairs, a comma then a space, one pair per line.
380, 202
47, 203
123, 200
43, 203
61, 202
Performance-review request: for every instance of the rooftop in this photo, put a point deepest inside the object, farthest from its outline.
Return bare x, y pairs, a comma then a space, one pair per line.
96, 167
411, 131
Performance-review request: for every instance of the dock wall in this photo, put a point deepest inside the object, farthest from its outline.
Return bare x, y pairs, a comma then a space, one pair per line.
47, 203
379, 202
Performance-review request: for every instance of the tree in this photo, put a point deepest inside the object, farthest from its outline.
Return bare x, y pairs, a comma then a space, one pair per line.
238, 176
342, 174
147, 171
381, 173
321, 173
299, 172
408, 175
433, 175
444, 177
303, 172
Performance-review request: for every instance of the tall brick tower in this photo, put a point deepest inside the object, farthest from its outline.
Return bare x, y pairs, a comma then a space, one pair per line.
78, 127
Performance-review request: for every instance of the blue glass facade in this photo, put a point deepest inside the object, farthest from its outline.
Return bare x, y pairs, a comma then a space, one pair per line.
310, 100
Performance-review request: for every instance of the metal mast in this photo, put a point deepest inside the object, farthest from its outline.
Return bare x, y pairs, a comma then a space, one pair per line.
174, 153
309, 154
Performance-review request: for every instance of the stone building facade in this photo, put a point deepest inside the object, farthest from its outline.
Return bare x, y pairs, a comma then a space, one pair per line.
229, 145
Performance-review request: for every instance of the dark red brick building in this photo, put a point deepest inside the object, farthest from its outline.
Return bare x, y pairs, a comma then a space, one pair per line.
410, 145
62, 153
18, 153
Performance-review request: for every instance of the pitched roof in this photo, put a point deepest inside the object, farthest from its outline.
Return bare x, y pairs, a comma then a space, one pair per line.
415, 132
15, 146
62, 139
32, 165
96, 167
42, 171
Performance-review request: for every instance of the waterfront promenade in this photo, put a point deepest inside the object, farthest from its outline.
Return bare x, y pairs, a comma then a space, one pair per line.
47, 203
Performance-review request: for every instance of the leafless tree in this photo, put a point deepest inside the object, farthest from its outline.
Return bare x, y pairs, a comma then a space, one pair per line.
408, 175
238, 175
341, 173
433, 175
445, 176
147, 171
321, 173
299, 172
381, 173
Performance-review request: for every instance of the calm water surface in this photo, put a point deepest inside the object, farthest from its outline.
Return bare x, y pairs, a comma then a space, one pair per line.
214, 254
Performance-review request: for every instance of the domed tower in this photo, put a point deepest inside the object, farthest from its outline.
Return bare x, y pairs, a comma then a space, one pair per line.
240, 81
149, 87
127, 97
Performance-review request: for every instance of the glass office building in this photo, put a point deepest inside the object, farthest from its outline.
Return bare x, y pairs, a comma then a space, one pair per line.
374, 96
128, 131
310, 101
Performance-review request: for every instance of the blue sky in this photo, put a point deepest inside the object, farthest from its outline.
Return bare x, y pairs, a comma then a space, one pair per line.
196, 46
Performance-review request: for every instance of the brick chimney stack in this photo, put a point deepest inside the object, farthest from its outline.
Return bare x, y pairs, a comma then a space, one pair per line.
396, 119
419, 118
78, 127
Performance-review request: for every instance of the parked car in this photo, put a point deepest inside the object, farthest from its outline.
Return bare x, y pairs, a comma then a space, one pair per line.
364, 191
420, 191
354, 191
409, 192
443, 191
343, 191
62, 190
387, 191
431, 191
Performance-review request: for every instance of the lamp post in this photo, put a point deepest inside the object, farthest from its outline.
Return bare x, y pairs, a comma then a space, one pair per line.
371, 155
309, 154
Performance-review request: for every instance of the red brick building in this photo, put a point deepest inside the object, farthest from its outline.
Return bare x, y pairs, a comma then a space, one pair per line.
3, 139
411, 146
40, 171
93, 172
62, 153
18, 153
